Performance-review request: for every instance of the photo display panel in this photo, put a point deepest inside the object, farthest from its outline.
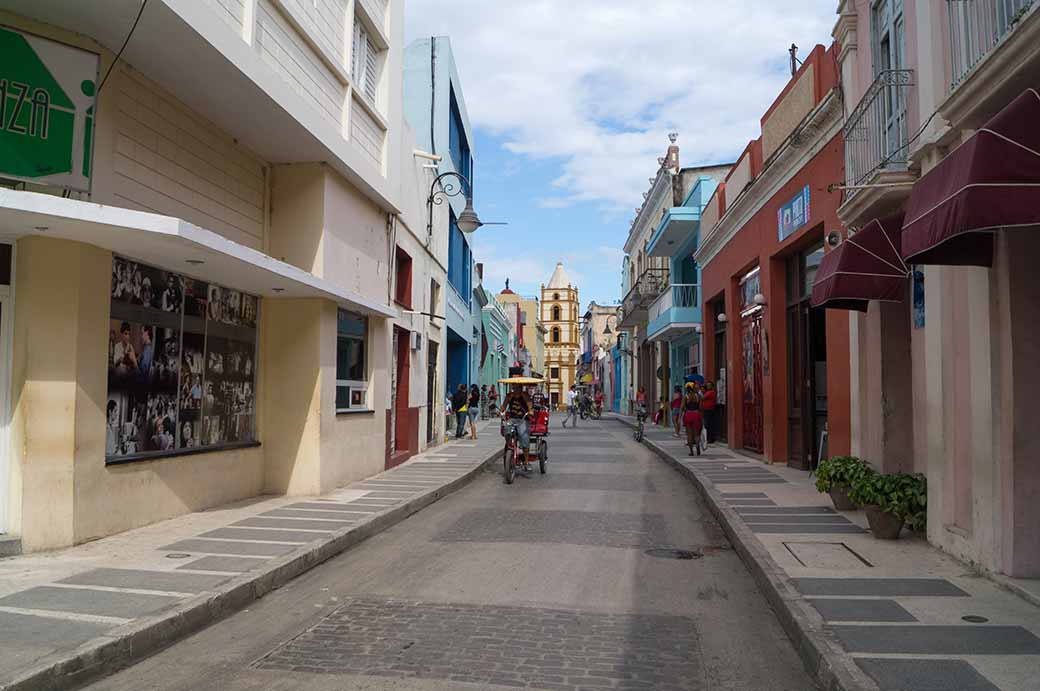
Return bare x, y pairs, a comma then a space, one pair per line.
181, 364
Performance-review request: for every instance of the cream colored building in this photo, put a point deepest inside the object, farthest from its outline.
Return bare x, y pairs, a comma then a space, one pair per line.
560, 315
217, 305
534, 330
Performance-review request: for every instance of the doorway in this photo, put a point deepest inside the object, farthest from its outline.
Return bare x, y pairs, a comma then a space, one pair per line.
718, 307
431, 393
400, 420
806, 361
753, 399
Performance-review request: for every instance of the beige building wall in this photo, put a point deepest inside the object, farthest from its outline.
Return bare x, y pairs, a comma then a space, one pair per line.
153, 153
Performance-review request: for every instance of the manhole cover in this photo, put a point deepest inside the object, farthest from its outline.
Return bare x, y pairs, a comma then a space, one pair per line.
177, 555
975, 619
674, 554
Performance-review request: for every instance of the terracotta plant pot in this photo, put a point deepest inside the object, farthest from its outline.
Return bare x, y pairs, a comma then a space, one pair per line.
840, 496
883, 525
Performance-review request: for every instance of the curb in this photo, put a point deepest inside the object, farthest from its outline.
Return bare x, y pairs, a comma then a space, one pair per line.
133, 642
825, 661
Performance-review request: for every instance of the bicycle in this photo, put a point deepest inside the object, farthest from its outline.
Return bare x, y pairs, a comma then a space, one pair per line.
511, 452
637, 434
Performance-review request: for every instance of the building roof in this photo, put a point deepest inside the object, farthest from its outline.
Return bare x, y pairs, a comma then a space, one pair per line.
559, 279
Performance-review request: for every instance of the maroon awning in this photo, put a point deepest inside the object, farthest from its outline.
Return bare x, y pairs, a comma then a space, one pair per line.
989, 182
867, 266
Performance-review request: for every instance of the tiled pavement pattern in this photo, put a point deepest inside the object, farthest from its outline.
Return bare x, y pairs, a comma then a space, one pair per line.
495, 645
51, 603
895, 606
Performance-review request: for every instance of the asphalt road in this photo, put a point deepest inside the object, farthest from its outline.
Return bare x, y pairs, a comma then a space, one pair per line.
546, 583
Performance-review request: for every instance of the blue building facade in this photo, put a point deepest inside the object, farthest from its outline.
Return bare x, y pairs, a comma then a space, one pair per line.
675, 316
436, 110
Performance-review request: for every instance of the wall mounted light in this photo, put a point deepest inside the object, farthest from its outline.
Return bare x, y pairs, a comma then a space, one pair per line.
759, 299
722, 319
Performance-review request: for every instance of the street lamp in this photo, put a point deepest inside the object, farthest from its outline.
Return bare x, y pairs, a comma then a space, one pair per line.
468, 221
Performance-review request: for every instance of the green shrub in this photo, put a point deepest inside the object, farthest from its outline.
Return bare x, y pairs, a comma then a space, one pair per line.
902, 494
839, 470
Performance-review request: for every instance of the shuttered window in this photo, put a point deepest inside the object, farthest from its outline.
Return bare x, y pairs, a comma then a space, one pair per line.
365, 68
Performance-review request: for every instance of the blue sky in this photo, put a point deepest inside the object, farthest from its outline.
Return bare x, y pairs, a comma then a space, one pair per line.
572, 102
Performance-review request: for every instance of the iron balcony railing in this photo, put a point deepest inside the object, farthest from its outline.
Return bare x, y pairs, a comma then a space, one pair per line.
647, 287
876, 131
678, 295
976, 27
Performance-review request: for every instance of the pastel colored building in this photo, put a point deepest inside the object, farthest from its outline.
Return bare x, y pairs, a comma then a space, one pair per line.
941, 113
435, 107
560, 315
212, 252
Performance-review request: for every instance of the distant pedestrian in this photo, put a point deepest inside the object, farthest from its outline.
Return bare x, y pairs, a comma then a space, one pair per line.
473, 407
458, 404
676, 405
572, 406
709, 403
492, 401
691, 410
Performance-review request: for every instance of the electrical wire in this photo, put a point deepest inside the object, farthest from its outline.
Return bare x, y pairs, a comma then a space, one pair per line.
120, 53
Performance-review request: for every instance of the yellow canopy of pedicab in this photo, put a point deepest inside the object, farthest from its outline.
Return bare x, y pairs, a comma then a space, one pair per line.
521, 380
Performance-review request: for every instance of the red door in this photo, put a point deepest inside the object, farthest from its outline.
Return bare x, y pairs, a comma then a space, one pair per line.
752, 380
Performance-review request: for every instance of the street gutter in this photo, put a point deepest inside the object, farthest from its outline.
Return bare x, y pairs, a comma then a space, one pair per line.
826, 662
126, 645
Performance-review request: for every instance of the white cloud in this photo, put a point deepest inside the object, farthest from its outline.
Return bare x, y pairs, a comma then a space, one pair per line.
598, 84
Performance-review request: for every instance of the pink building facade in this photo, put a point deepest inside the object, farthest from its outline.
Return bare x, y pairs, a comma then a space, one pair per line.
944, 380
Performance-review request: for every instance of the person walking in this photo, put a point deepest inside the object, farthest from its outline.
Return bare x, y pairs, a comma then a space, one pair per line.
709, 401
691, 417
676, 405
572, 406
458, 404
492, 401
474, 410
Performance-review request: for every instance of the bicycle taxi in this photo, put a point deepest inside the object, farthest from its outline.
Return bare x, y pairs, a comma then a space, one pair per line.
513, 461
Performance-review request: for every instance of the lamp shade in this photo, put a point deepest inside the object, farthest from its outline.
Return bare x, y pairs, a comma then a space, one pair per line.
468, 220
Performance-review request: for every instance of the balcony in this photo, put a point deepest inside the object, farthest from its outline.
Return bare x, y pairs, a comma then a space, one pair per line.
676, 310
994, 54
647, 287
976, 27
876, 147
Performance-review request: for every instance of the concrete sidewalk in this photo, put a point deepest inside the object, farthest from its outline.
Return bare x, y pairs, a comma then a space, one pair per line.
70, 615
863, 613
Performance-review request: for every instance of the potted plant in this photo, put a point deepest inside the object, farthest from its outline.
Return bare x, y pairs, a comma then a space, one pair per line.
890, 500
836, 475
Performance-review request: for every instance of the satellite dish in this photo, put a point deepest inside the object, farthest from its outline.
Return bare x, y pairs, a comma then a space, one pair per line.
834, 238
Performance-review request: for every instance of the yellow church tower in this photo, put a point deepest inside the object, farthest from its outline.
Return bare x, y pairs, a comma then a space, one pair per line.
560, 317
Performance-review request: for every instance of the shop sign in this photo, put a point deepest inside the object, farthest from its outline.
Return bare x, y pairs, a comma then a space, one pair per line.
46, 110
794, 214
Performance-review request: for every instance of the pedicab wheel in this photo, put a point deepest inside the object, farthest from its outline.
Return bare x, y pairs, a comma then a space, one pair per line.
543, 455
509, 472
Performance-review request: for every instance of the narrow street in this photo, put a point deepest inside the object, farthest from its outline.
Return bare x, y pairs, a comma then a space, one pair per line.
546, 583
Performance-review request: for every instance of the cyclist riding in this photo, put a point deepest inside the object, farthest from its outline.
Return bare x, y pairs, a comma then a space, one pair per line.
516, 409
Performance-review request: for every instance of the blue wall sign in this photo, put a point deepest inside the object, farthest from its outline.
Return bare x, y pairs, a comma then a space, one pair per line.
794, 214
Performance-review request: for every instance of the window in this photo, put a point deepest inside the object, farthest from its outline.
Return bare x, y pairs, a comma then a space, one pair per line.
556, 296
351, 374
556, 313
435, 300
556, 334
181, 364
554, 372
365, 68
459, 259
403, 266
458, 145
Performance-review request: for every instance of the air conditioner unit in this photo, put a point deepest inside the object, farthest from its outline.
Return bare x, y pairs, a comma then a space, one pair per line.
416, 340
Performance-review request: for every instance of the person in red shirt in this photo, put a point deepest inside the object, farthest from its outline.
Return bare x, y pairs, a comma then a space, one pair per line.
599, 401
709, 401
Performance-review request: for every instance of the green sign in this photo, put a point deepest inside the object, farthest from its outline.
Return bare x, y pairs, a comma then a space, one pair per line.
46, 110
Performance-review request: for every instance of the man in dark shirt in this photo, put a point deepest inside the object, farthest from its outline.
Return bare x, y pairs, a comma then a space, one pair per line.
515, 409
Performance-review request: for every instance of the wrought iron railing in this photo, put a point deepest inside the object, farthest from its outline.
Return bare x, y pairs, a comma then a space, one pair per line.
647, 287
876, 130
976, 27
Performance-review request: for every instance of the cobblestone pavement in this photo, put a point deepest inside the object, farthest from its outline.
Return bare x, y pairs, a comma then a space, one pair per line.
547, 583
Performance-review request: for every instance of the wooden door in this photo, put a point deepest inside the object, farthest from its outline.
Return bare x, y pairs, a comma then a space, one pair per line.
753, 404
